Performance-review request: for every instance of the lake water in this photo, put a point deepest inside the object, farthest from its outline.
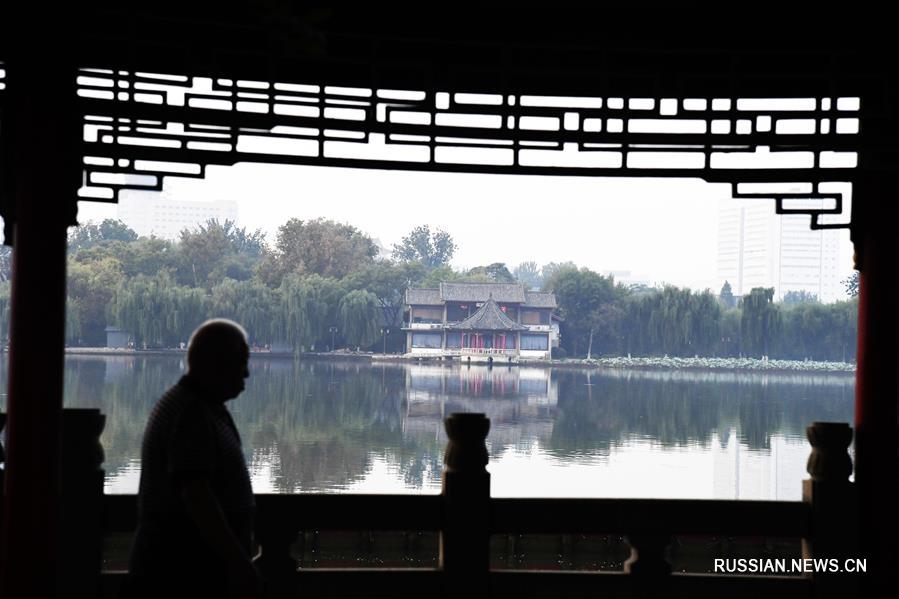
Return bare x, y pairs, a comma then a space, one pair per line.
345, 427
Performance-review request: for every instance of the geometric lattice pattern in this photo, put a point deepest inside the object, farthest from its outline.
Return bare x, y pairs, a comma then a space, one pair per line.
141, 127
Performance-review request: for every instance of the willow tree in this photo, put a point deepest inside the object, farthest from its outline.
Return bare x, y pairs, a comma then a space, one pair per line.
674, 321
73, 321
292, 323
760, 322
190, 307
156, 310
358, 317
250, 303
706, 322
324, 299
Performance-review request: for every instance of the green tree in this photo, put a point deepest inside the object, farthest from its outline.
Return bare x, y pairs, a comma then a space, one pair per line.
92, 234
145, 256
201, 251
819, 331
528, 274
250, 303
185, 310
673, 321
591, 305
307, 309
727, 296
156, 311
388, 281
850, 283
793, 298
320, 246
91, 286
760, 322
421, 245
358, 318
73, 321
491, 273
550, 270
217, 250
243, 241
438, 275
729, 343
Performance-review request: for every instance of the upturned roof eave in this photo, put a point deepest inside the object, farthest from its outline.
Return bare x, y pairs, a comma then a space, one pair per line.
488, 318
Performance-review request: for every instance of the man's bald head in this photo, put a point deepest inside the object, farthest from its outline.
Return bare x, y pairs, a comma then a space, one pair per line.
217, 355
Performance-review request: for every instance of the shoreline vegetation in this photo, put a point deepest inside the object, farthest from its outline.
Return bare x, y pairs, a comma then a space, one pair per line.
620, 363
326, 285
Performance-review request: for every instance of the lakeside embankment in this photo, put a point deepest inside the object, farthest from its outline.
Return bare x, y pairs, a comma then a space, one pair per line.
753, 364
649, 363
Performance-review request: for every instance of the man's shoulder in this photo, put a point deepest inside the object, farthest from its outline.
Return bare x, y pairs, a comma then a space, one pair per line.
179, 403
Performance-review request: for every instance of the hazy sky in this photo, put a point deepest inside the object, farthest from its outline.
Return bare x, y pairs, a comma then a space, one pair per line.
660, 230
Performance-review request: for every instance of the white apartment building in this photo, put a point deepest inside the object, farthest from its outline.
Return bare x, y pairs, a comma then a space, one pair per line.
156, 214
758, 248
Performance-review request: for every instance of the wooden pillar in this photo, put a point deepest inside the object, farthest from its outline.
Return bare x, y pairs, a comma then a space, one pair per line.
877, 380
41, 173
465, 538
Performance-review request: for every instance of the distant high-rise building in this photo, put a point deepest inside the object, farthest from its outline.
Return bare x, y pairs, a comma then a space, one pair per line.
158, 215
758, 248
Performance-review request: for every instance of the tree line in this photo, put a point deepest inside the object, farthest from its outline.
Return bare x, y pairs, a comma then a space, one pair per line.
323, 284
602, 317
320, 285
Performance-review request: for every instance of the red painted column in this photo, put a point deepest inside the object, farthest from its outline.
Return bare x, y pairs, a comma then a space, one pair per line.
877, 393
44, 171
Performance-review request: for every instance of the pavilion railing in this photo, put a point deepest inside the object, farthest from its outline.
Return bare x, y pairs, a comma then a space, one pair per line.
465, 516
487, 351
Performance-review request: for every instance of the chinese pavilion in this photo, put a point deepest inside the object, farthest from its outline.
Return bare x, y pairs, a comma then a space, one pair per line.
484, 322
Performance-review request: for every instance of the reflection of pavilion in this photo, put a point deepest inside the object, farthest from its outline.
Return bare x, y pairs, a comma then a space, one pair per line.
520, 402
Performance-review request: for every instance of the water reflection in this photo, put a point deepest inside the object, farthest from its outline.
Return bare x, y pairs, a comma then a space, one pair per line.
324, 426
520, 402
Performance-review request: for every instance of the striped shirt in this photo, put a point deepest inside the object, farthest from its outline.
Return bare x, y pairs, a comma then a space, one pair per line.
188, 437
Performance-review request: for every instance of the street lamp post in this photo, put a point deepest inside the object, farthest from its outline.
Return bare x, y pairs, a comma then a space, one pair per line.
332, 330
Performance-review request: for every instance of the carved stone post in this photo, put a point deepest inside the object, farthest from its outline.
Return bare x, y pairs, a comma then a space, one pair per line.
465, 538
834, 530
647, 558
649, 570
81, 507
276, 533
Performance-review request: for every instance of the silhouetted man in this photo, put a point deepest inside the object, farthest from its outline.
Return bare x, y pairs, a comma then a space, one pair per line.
195, 501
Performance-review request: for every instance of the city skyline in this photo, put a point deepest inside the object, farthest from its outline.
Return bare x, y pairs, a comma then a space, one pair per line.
759, 248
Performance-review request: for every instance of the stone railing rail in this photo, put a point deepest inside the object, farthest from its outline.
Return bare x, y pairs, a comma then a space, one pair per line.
465, 515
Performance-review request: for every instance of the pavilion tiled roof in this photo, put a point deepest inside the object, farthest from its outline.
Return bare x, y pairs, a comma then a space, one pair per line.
423, 297
506, 293
478, 292
489, 317
539, 299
